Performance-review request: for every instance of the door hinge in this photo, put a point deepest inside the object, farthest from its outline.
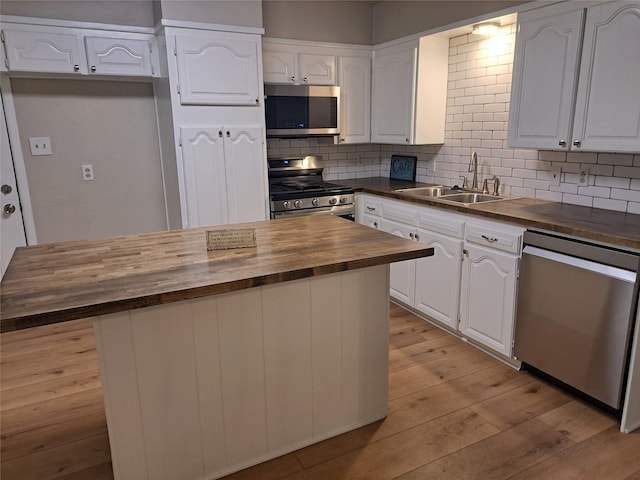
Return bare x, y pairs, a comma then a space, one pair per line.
518, 268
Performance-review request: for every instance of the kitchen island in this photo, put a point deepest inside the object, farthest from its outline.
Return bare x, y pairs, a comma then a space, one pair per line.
212, 361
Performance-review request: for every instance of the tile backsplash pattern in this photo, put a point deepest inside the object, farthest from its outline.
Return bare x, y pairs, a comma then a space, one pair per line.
476, 120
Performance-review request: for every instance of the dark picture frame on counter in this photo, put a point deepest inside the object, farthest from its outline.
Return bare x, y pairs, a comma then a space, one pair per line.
403, 167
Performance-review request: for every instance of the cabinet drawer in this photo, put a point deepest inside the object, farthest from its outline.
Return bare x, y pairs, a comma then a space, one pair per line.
408, 216
371, 206
440, 224
371, 221
494, 238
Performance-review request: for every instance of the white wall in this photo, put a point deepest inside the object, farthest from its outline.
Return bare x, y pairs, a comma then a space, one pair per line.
119, 12
110, 125
322, 21
247, 13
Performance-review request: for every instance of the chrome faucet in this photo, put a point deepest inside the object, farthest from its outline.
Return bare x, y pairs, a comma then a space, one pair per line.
473, 167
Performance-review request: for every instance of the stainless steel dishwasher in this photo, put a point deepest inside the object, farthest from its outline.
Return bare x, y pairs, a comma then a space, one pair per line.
575, 313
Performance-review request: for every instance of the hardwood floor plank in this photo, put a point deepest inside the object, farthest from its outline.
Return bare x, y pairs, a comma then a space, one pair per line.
634, 476
32, 337
57, 462
609, 455
578, 420
440, 370
497, 457
49, 389
104, 471
522, 404
272, 470
418, 408
405, 451
432, 347
37, 439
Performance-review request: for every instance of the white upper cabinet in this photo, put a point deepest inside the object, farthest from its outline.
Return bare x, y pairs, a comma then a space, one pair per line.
285, 65
119, 56
355, 99
65, 50
574, 88
218, 68
608, 99
44, 50
410, 92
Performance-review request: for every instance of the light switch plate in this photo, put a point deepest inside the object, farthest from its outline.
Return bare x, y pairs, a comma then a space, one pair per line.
40, 146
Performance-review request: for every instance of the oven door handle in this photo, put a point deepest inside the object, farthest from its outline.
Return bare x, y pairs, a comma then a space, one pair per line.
609, 271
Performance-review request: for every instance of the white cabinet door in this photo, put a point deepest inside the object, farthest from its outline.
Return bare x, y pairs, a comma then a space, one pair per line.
244, 167
317, 69
355, 99
218, 69
44, 50
607, 115
393, 99
402, 275
279, 66
437, 291
544, 78
119, 56
487, 305
205, 188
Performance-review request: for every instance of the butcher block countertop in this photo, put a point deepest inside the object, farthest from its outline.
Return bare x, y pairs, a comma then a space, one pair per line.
616, 228
56, 282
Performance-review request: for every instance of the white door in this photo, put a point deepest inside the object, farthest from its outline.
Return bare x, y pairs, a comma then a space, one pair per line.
245, 174
279, 67
205, 190
392, 99
11, 225
544, 77
438, 278
355, 99
119, 56
317, 69
608, 99
402, 276
487, 305
218, 69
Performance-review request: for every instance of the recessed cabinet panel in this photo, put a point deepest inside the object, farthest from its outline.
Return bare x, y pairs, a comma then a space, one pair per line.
118, 56
244, 167
608, 98
44, 51
317, 69
218, 70
279, 67
355, 100
402, 274
545, 72
204, 176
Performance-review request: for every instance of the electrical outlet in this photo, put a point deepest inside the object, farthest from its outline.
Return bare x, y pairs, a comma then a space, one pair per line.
584, 177
40, 146
555, 173
87, 172
359, 159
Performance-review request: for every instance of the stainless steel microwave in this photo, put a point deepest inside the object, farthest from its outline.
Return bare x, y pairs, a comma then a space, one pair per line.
302, 110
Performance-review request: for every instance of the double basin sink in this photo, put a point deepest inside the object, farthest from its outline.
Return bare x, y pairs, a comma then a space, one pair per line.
456, 196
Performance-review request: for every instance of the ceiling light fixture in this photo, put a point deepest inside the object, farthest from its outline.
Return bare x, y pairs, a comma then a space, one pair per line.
487, 28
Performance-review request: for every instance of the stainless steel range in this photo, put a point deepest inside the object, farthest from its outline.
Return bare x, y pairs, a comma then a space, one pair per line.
296, 188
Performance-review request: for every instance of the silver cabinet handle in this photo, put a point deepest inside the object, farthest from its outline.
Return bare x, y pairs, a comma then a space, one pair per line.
257, 101
417, 237
9, 209
490, 239
576, 143
76, 68
293, 78
375, 224
562, 143
371, 209
228, 133
6, 189
93, 69
411, 236
305, 79
406, 140
219, 133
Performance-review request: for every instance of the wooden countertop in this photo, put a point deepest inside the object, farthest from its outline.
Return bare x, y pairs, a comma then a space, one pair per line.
616, 228
56, 282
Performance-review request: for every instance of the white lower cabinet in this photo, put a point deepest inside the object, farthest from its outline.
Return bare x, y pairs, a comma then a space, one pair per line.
222, 178
469, 284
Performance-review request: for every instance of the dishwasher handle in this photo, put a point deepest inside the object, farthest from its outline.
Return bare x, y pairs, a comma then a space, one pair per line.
609, 271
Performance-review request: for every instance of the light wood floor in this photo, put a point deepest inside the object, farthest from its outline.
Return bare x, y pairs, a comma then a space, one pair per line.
454, 413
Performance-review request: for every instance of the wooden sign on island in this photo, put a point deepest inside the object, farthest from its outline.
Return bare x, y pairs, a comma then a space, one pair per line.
228, 238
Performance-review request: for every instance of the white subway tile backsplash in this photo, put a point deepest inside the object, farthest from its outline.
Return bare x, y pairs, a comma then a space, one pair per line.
547, 195
631, 172
577, 200
610, 204
628, 195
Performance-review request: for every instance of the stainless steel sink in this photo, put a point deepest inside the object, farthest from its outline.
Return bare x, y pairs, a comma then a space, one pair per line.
456, 196
470, 198
436, 191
